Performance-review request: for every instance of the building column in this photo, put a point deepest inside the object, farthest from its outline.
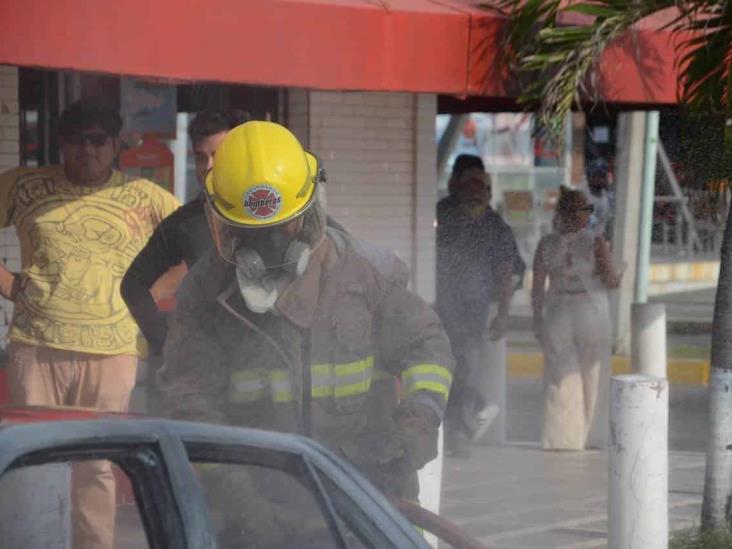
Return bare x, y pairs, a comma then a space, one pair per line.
9, 158
378, 149
629, 177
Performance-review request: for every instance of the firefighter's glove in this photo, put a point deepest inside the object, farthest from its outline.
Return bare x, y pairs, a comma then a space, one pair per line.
411, 446
417, 429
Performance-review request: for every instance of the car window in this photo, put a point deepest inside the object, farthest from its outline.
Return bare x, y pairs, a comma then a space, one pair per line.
57, 504
359, 528
255, 506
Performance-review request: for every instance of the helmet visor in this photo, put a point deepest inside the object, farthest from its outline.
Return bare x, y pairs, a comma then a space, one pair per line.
235, 242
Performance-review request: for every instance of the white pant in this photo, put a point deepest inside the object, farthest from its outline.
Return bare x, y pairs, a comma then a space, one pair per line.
577, 344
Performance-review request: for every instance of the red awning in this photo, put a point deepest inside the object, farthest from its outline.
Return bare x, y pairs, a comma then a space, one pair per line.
442, 46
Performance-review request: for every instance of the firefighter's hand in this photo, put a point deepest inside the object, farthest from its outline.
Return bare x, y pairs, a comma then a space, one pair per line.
417, 433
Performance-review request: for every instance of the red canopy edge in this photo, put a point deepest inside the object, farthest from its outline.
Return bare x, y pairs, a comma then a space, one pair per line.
441, 46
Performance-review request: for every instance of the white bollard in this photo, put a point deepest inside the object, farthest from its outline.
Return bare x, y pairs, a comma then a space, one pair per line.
638, 479
648, 339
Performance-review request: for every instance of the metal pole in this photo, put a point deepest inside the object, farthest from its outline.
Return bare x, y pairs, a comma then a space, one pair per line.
638, 479
448, 141
646, 210
629, 177
180, 153
648, 339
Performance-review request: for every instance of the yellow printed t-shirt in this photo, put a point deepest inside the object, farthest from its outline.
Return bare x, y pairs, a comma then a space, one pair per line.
76, 243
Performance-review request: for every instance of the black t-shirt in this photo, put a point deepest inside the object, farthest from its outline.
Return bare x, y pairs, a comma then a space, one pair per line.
182, 236
469, 252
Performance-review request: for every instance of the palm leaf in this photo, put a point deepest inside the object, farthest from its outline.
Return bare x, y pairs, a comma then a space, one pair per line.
556, 64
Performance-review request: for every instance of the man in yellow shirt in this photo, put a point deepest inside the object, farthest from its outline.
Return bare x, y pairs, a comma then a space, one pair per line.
72, 340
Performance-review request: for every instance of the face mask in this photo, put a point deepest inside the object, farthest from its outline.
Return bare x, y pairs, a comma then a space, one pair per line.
260, 285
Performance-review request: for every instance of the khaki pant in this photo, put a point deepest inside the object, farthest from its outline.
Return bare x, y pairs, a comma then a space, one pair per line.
43, 376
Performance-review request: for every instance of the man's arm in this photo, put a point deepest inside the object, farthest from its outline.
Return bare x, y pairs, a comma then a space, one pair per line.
502, 254
9, 283
158, 255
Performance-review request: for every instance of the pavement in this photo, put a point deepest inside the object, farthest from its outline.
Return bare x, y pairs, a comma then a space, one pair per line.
520, 497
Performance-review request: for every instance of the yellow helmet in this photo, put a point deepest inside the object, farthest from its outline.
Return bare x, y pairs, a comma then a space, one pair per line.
261, 181
261, 176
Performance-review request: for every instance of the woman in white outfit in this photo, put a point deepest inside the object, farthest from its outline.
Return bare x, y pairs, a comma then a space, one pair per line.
572, 322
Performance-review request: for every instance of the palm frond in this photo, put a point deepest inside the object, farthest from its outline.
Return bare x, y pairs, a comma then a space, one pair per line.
555, 64
706, 64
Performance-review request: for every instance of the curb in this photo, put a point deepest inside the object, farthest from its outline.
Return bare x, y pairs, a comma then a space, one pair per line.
681, 371
673, 326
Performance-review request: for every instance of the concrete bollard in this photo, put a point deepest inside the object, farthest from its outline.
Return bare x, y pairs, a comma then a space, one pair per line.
648, 339
638, 478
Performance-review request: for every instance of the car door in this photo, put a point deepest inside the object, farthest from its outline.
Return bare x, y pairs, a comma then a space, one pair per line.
191, 485
272, 490
40, 465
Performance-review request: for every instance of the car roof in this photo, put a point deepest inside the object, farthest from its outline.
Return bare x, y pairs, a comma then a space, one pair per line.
11, 415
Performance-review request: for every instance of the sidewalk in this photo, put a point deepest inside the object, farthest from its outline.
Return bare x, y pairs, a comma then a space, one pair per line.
520, 497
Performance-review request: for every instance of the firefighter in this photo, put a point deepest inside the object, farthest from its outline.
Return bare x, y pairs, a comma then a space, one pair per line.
282, 303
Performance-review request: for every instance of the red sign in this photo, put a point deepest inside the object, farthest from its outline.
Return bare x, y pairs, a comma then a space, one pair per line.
152, 160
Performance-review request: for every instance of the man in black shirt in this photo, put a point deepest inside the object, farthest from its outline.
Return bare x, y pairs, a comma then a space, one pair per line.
477, 258
183, 237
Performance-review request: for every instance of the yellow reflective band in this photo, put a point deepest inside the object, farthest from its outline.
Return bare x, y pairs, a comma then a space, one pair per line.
429, 369
342, 380
338, 380
354, 367
281, 386
320, 370
427, 377
279, 375
432, 386
353, 389
247, 385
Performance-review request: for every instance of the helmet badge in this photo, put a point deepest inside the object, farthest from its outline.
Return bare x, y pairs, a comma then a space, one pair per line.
262, 201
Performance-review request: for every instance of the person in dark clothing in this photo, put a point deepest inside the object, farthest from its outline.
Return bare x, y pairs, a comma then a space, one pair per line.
477, 258
183, 237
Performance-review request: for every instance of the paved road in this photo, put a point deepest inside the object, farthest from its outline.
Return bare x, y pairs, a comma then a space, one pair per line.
518, 496
688, 413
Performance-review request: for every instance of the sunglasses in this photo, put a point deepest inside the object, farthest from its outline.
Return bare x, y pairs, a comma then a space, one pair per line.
97, 139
